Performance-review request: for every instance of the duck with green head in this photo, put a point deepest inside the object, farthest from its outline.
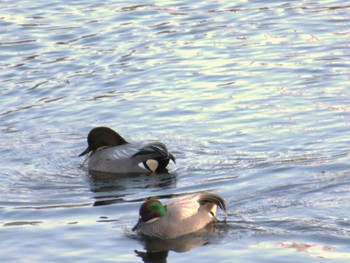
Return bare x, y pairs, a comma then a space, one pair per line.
179, 217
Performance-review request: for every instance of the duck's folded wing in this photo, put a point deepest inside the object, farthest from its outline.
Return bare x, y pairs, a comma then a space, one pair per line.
183, 207
156, 151
189, 206
198, 206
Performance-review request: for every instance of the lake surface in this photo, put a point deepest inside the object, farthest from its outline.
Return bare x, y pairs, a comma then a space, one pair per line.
252, 97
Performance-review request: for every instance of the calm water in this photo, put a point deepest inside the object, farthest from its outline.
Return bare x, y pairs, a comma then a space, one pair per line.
251, 97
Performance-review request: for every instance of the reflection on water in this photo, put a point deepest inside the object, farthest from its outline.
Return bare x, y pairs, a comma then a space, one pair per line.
148, 257
113, 188
126, 181
157, 250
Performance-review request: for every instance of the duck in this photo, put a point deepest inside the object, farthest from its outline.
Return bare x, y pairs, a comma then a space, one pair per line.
109, 152
179, 217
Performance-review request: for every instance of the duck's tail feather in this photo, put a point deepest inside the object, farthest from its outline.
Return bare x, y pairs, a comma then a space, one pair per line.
213, 198
155, 157
156, 151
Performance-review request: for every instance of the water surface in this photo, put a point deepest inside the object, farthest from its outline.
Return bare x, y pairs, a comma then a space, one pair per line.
251, 97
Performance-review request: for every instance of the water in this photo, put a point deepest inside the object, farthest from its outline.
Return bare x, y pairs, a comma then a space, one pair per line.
251, 97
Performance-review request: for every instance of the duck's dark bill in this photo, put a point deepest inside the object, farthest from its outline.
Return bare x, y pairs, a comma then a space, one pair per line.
137, 225
85, 152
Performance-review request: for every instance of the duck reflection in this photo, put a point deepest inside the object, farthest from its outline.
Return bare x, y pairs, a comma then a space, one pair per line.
153, 257
157, 250
112, 188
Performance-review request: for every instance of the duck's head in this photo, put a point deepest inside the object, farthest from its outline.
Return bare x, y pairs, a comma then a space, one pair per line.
100, 137
150, 211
